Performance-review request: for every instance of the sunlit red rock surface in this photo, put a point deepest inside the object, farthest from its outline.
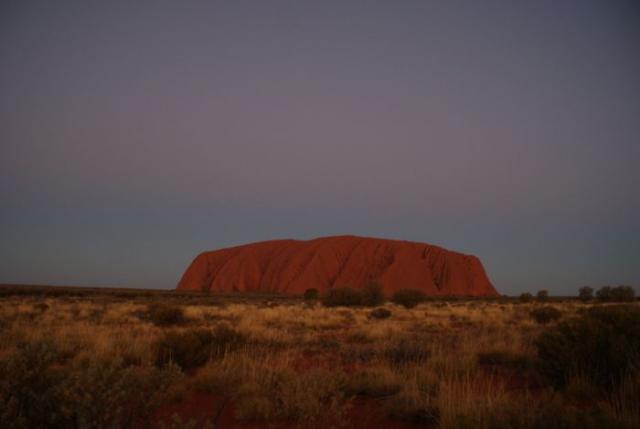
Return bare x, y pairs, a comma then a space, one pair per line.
292, 266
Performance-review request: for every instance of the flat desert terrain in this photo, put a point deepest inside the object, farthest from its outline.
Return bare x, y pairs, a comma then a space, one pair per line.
145, 359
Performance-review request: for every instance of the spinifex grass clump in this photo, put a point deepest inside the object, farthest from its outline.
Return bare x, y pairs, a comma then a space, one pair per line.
545, 314
165, 314
194, 347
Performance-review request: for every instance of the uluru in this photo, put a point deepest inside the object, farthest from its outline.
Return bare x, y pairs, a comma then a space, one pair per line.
293, 266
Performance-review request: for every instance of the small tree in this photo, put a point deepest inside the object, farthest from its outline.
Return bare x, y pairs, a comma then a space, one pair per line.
372, 294
542, 295
526, 297
586, 293
311, 294
604, 293
623, 294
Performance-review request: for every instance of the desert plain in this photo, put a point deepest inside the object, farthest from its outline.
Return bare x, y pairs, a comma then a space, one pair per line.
102, 358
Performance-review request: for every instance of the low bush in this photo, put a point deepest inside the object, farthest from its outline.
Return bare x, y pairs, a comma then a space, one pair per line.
162, 314
408, 298
585, 293
313, 396
342, 296
29, 386
544, 315
104, 394
405, 352
311, 294
372, 294
542, 295
194, 347
602, 345
616, 294
526, 297
39, 389
379, 313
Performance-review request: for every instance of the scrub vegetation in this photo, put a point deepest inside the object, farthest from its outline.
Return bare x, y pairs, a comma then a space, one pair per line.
102, 360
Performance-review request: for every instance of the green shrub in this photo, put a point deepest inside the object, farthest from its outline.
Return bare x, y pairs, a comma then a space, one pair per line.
162, 314
602, 345
379, 313
408, 298
544, 315
372, 294
311, 294
194, 347
342, 296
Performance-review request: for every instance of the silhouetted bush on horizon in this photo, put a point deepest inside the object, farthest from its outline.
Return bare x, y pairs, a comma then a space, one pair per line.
620, 293
585, 293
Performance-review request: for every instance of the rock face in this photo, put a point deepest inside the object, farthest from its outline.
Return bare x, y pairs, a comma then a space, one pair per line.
292, 266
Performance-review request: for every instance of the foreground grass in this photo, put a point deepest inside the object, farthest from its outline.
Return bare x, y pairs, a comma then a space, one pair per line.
90, 362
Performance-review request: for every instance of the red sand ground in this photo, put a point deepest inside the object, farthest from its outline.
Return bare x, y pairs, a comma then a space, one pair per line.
292, 266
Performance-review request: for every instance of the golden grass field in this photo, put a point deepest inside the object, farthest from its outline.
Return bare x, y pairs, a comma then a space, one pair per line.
289, 363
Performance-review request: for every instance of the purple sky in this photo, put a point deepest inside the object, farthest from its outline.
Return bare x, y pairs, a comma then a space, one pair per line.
134, 135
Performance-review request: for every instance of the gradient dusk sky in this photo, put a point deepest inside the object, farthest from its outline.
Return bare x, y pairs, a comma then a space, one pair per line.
135, 134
